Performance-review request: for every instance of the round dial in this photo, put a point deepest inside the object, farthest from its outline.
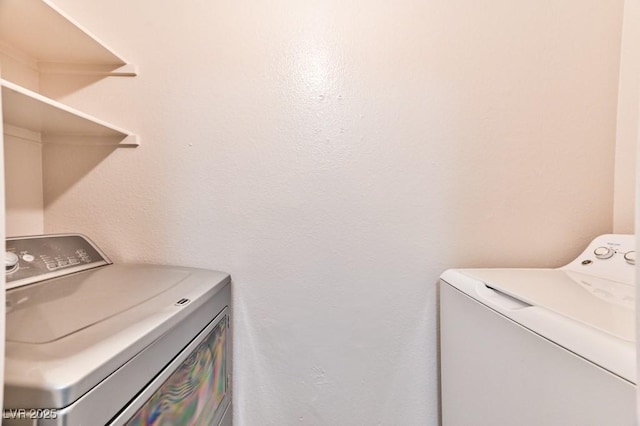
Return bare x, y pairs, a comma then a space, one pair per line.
630, 257
603, 252
10, 262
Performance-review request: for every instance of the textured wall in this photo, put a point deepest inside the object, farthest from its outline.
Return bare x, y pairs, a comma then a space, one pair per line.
24, 213
23, 196
336, 157
627, 121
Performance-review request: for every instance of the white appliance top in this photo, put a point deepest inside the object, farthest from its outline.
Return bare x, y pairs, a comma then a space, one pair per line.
587, 306
602, 304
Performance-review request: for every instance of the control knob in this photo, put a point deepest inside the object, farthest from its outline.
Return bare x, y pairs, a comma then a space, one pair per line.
603, 252
10, 262
630, 257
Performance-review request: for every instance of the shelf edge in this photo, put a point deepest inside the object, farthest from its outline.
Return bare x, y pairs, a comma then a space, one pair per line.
73, 22
127, 70
116, 65
120, 137
129, 141
48, 101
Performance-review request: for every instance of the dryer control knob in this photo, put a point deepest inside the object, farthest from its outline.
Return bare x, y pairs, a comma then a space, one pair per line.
10, 262
630, 257
603, 252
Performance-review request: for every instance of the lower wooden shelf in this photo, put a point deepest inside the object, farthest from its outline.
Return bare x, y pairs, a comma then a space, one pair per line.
28, 114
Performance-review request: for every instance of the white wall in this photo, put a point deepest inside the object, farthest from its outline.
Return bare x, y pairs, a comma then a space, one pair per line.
627, 120
627, 194
24, 196
336, 157
23, 159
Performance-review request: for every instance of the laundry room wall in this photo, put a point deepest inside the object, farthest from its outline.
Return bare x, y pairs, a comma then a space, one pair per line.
627, 121
24, 213
627, 159
335, 157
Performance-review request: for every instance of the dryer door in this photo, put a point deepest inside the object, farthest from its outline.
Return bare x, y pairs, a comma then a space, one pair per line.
194, 389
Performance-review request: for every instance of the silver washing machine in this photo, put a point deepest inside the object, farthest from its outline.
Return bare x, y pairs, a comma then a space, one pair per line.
89, 342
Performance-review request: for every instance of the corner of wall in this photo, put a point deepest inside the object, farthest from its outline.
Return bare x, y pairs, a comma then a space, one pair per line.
627, 121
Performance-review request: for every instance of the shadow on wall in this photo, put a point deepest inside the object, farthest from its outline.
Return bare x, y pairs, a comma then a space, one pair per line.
70, 158
65, 165
58, 86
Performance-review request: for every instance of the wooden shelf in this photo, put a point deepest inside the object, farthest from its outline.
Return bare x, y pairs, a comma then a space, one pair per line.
38, 30
29, 115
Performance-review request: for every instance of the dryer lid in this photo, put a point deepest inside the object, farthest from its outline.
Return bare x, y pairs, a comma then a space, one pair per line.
605, 305
50, 310
99, 320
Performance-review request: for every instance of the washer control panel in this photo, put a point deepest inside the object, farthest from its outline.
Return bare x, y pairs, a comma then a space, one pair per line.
36, 258
610, 256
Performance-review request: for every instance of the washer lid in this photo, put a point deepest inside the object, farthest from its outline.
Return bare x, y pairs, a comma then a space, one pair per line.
53, 309
599, 303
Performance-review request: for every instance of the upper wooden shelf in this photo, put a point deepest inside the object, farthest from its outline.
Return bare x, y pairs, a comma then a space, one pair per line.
29, 115
54, 41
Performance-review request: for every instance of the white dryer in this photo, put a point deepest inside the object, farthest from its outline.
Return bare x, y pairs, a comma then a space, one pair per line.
532, 347
89, 342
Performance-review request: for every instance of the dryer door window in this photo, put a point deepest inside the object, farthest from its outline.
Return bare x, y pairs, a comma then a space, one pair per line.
195, 393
